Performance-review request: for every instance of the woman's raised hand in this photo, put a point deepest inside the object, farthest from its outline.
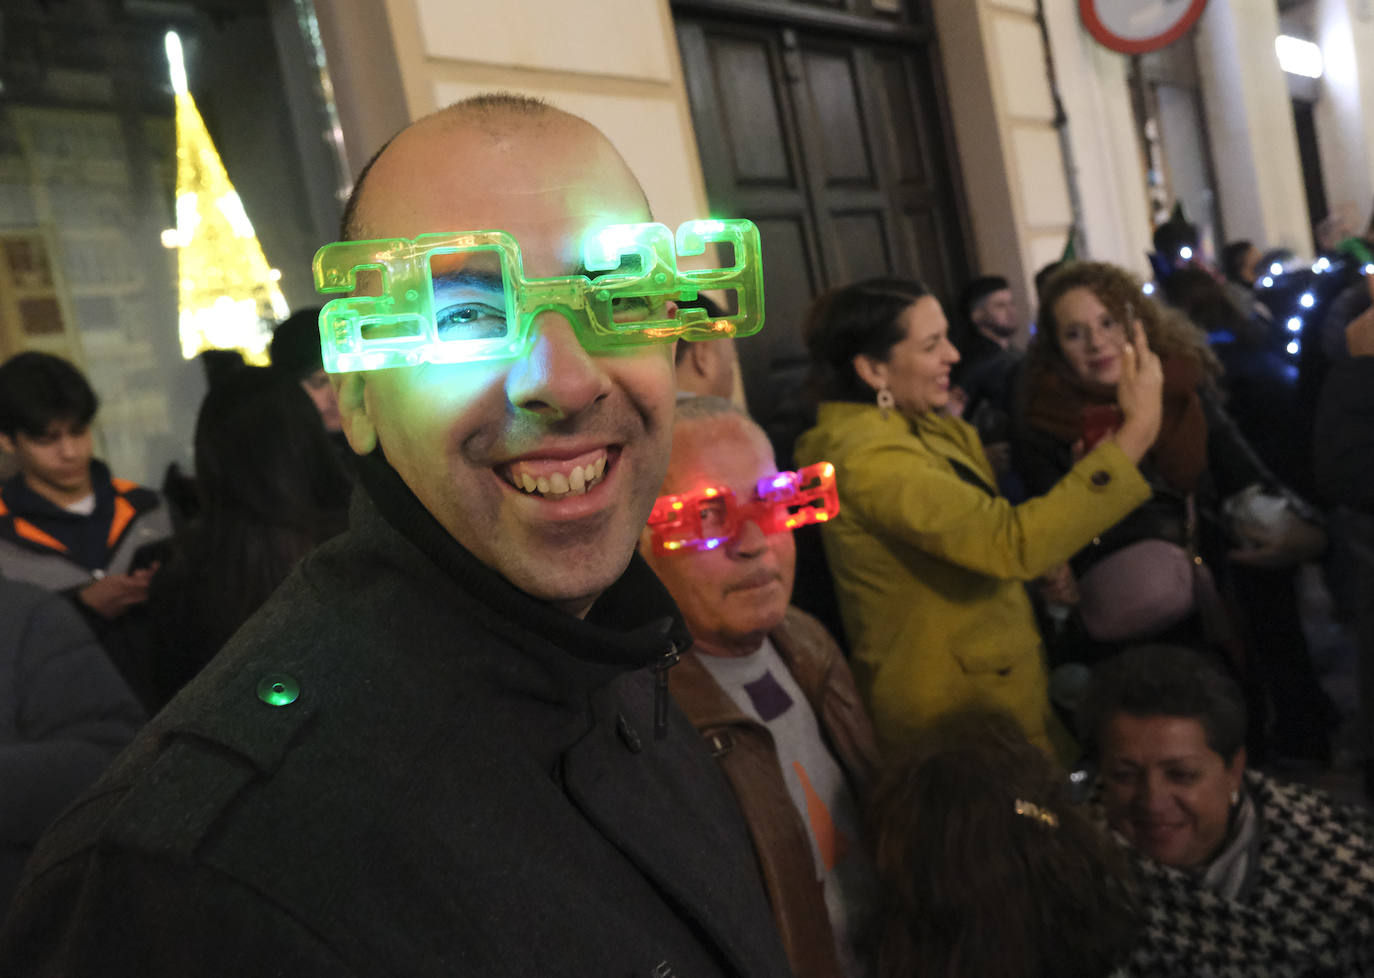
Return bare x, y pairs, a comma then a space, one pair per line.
1140, 395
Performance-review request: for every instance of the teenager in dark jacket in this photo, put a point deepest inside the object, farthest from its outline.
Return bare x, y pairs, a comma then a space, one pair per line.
65, 523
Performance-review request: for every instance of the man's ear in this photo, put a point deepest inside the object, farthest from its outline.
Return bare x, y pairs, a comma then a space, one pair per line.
357, 423
872, 372
698, 358
7, 444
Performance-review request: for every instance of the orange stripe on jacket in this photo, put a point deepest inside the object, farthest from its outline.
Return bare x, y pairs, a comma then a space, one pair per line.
123, 485
124, 513
33, 534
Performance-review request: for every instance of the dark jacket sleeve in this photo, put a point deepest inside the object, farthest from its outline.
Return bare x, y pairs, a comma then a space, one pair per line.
125, 915
71, 713
1231, 460
1039, 458
1344, 436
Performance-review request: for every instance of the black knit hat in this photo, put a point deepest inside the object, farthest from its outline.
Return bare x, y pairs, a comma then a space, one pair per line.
295, 347
978, 290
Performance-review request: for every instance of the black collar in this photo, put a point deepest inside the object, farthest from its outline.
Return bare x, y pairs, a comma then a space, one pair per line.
633, 623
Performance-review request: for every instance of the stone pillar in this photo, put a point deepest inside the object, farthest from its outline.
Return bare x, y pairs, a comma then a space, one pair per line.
1345, 109
1250, 125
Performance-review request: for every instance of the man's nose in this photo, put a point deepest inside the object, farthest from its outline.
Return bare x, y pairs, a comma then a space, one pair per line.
558, 378
750, 541
66, 445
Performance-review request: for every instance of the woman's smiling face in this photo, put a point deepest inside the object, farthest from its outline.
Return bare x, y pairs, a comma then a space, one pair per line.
917, 367
1166, 790
1090, 337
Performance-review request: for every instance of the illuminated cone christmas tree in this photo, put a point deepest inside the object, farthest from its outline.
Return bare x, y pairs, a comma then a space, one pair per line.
228, 294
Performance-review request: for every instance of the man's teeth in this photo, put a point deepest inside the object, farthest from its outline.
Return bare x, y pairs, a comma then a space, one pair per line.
581, 479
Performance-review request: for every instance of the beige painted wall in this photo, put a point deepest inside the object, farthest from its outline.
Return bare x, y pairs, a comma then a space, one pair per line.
405, 58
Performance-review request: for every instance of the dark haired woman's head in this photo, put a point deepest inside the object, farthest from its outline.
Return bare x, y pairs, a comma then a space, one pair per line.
880, 334
862, 318
986, 866
1240, 262
262, 453
1199, 296
271, 488
1169, 729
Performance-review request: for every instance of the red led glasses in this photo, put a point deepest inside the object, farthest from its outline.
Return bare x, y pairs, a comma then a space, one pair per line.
708, 517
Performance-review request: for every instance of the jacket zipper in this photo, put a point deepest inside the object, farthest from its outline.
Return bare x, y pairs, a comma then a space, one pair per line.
666, 662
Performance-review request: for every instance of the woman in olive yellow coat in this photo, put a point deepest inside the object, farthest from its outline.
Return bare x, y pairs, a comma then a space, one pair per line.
929, 561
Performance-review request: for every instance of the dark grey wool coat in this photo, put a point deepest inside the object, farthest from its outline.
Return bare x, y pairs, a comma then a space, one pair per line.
467, 783
64, 715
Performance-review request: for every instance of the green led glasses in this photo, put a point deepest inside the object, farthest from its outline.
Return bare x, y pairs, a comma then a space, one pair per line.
463, 297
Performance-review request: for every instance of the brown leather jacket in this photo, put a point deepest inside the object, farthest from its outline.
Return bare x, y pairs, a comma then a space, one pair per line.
745, 751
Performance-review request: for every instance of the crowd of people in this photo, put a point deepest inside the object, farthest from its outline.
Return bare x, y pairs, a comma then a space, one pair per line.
494, 663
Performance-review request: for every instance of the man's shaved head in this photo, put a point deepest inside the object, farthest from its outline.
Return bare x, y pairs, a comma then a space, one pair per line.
495, 116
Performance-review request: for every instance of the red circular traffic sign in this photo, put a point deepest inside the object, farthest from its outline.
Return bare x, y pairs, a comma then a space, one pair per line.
1138, 26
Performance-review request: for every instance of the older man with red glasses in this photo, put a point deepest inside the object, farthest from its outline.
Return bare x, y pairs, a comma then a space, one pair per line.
763, 682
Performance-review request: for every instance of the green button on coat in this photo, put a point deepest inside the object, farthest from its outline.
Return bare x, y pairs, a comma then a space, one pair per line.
278, 689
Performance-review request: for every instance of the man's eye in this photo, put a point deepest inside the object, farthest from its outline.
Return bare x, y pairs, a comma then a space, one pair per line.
470, 321
636, 308
713, 515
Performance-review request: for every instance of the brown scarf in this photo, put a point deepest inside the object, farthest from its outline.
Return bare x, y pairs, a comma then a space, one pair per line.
1179, 453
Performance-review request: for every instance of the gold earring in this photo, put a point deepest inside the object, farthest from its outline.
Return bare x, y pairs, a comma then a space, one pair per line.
886, 402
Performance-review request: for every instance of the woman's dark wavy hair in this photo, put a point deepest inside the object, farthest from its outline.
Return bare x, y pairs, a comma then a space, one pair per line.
970, 887
844, 322
271, 487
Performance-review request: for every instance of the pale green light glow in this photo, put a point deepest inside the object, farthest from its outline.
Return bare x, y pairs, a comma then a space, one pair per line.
423, 283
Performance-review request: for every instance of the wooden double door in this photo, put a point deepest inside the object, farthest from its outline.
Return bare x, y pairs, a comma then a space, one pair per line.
835, 144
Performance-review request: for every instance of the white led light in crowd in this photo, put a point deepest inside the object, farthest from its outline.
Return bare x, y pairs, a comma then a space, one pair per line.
1298, 57
1294, 324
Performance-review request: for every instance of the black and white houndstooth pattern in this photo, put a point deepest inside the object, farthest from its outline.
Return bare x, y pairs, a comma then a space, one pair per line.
1310, 911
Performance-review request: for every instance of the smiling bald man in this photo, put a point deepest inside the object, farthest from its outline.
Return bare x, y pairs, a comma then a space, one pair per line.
444, 747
